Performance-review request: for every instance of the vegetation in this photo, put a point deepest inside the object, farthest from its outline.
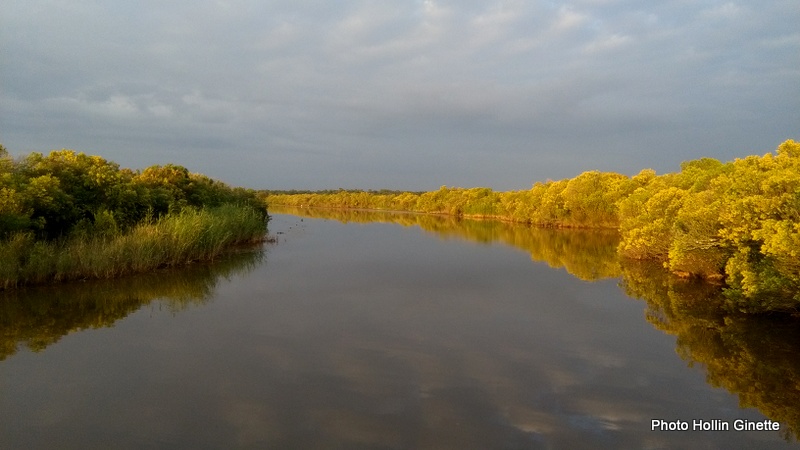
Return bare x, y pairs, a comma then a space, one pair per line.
737, 221
72, 216
587, 201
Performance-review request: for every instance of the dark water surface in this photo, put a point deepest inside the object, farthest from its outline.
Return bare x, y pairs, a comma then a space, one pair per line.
466, 335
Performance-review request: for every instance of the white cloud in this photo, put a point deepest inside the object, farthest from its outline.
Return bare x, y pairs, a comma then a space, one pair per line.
116, 106
726, 11
376, 31
607, 43
432, 10
282, 35
568, 19
495, 23
786, 40
160, 111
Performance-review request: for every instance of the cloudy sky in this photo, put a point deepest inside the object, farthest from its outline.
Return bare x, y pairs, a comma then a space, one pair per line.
408, 94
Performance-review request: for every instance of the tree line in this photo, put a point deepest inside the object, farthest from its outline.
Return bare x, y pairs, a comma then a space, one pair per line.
737, 221
65, 191
69, 215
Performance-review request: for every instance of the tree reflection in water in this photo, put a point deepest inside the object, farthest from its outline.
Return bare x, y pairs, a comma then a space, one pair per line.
38, 317
586, 254
754, 357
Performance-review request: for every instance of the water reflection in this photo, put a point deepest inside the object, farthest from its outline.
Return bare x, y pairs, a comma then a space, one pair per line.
370, 337
587, 255
755, 358
39, 316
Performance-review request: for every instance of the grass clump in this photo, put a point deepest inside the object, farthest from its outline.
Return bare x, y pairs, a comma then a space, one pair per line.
193, 234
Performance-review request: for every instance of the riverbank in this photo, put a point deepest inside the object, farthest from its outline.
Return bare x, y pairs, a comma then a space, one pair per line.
736, 222
174, 239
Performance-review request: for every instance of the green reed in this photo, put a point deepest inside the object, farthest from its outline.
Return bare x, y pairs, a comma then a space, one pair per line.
174, 239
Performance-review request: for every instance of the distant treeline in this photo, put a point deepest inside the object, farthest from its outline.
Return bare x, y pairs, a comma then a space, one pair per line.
738, 220
335, 191
68, 215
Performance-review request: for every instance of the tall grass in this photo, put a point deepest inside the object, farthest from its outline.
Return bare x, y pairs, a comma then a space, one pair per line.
191, 235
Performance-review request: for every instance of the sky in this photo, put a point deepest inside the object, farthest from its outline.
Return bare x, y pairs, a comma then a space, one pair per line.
411, 94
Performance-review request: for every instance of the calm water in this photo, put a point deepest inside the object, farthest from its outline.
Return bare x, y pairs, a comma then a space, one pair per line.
414, 332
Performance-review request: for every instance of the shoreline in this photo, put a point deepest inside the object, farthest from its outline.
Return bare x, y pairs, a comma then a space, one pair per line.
173, 240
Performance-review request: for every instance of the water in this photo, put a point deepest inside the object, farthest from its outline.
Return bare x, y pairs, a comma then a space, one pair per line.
413, 332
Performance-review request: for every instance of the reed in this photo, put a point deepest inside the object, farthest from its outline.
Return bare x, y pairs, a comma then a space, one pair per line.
180, 238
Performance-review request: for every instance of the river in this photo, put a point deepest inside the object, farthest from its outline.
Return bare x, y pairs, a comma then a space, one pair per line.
370, 330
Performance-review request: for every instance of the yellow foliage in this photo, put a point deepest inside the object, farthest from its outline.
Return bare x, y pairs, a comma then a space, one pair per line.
737, 220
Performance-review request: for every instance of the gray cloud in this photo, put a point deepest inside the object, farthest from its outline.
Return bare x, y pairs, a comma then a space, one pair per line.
312, 94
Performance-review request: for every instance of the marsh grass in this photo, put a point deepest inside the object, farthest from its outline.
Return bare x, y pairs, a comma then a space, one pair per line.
175, 239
